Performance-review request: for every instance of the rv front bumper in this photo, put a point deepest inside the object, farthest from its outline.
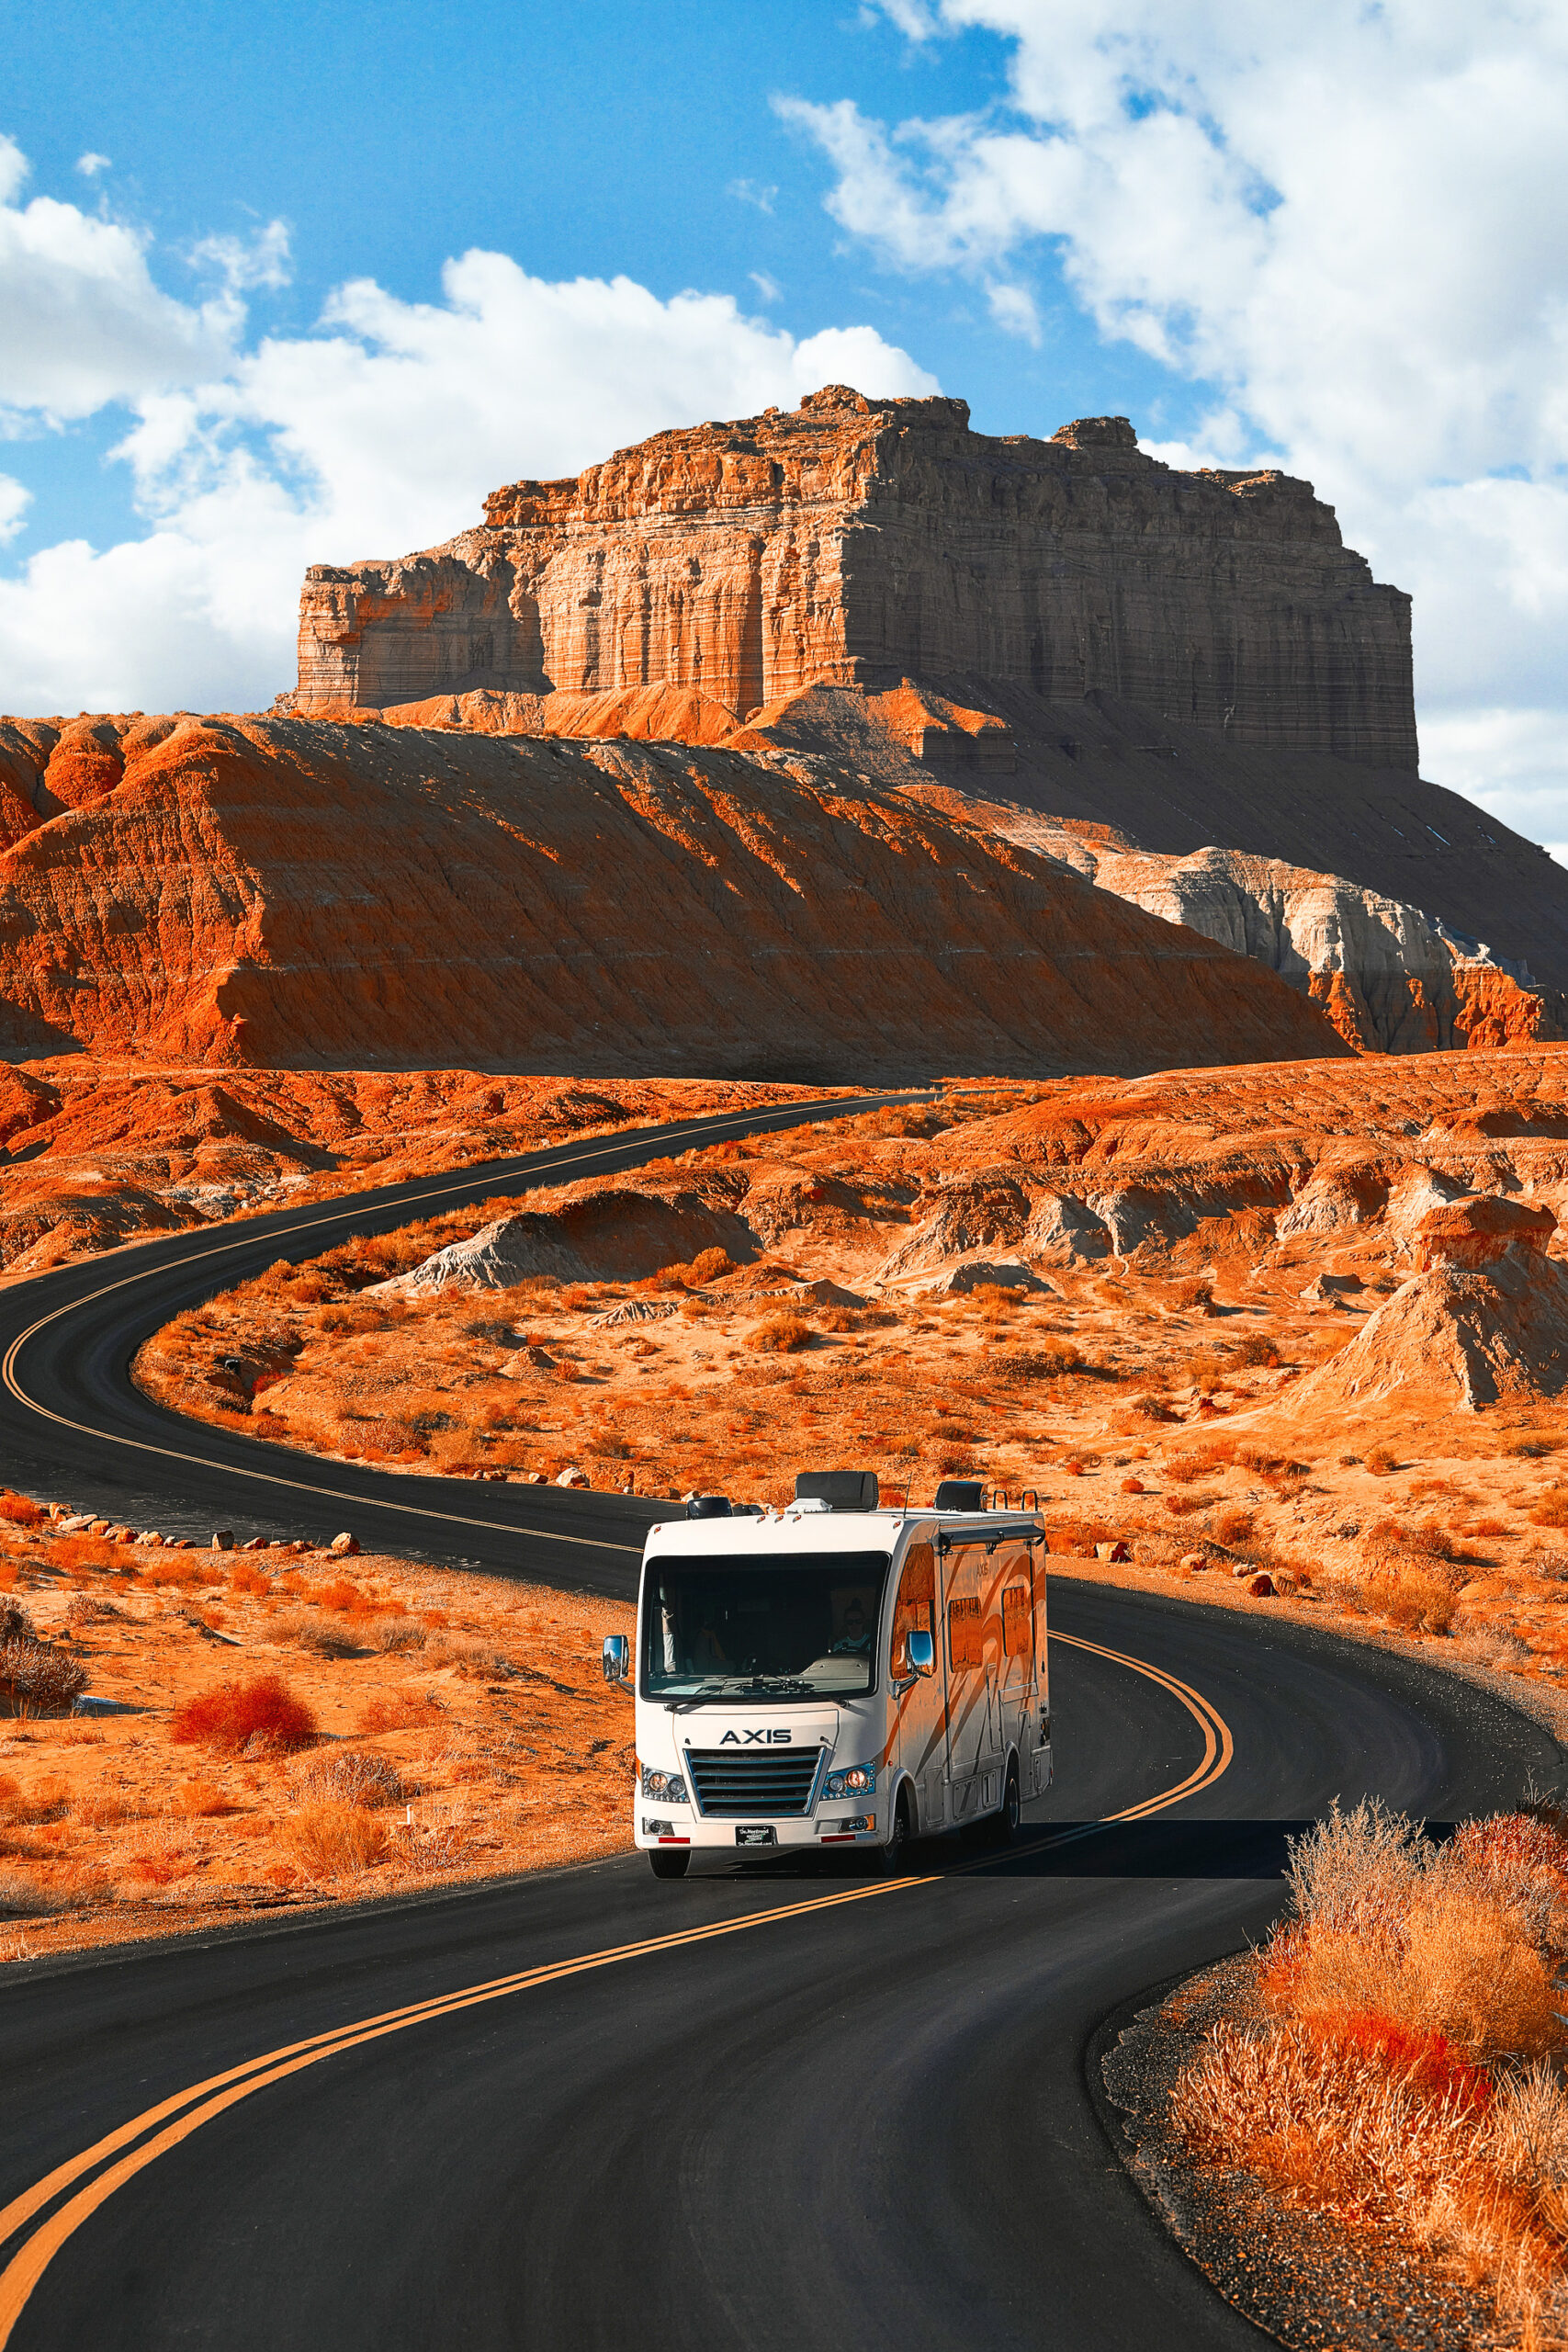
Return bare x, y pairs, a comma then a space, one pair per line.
837, 1825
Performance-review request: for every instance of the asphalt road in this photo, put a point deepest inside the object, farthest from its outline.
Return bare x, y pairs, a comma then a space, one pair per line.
778, 2107
73, 1428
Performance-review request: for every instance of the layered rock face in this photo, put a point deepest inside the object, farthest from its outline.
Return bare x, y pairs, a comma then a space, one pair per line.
856, 543
286, 892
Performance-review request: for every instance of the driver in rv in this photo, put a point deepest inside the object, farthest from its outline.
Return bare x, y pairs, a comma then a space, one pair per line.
856, 1639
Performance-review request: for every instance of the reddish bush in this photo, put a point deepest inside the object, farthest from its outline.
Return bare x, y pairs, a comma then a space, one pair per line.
1427, 2060
20, 1511
231, 1716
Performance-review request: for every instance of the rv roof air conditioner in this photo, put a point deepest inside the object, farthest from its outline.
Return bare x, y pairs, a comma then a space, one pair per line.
838, 1489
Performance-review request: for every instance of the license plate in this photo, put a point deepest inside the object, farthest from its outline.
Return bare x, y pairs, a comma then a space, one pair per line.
748, 1836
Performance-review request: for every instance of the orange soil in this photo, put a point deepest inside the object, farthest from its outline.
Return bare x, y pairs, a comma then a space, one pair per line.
500, 1746
100, 1153
1146, 1397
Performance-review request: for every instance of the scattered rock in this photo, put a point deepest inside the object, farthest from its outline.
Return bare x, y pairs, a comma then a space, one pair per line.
345, 1546
224, 1539
1117, 1550
1261, 1586
572, 1477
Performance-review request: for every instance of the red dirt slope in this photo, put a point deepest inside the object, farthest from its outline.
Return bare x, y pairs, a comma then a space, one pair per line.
295, 892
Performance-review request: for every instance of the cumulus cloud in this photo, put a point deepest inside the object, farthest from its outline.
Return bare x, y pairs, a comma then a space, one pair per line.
1345, 221
90, 165
380, 431
15, 500
84, 322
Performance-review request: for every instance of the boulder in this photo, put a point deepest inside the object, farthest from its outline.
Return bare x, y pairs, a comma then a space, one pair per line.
345, 1546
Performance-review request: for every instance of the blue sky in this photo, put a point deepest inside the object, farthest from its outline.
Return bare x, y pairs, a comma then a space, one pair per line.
228, 237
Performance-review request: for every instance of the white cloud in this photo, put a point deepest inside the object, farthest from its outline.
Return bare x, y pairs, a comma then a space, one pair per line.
263, 260
1345, 221
15, 500
379, 433
768, 287
84, 323
1015, 311
754, 192
90, 165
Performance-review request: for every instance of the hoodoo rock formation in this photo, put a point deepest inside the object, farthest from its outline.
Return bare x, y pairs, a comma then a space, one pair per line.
286, 892
854, 542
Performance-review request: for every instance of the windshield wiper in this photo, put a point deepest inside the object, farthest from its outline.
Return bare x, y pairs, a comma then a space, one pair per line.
695, 1698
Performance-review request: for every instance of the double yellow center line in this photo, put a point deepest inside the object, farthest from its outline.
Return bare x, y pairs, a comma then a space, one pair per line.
110, 2162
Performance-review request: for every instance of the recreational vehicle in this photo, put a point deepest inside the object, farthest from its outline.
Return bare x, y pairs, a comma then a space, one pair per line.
836, 1673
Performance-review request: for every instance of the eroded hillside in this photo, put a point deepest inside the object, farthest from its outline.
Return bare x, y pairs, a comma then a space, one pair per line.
1301, 1325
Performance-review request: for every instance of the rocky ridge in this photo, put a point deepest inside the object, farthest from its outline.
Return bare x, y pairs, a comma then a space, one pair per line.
297, 893
845, 543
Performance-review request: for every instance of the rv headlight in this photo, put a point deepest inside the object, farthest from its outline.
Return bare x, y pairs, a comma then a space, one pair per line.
668, 1788
854, 1781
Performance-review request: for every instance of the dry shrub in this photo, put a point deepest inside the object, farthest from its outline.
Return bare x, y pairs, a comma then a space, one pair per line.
332, 1839
1379, 1461
312, 1633
393, 1634
779, 1335
202, 1800
247, 1578
21, 1510
1049, 1362
1399, 2078
1410, 1595
1254, 1350
1551, 1510
35, 1680
347, 1776
1234, 1525
24, 1897
404, 1710
260, 1708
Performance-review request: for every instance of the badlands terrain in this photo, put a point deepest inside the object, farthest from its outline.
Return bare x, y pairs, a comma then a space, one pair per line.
1297, 1329
841, 749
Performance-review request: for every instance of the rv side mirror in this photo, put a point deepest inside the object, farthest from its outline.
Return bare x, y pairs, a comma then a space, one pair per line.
920, 1651
618, 1658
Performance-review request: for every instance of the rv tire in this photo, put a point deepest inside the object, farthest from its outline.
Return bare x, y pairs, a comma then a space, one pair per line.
894, 1858
1002, 1826
665, 1863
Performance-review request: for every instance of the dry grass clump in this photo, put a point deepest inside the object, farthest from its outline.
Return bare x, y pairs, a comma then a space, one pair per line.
1403, 2072
260, 1709
348, 1776
330, 1839
35, 1678
780, 1334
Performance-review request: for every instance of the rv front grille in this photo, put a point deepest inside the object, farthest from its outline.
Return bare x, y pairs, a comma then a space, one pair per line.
755, 1782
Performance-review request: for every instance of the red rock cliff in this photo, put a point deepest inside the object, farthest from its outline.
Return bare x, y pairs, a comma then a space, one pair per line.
857, 542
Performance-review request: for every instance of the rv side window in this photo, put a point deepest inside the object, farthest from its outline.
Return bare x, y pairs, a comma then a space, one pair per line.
1016, 1621
915, 1610
965, 1638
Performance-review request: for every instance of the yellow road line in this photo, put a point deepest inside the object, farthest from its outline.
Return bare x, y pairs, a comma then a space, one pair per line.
681, 1132
185, 2111
1219, 1747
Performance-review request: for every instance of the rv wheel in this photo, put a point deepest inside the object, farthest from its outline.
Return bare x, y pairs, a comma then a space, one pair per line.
894, 1858
1002, 1828
667, 1864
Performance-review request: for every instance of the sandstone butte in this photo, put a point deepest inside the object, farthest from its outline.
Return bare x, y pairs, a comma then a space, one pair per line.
288, 891
1170, 665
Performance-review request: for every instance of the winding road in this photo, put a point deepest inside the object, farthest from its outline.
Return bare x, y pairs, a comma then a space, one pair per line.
587, 2108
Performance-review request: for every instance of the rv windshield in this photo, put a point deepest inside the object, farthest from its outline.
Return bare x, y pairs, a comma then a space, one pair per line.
747, 1628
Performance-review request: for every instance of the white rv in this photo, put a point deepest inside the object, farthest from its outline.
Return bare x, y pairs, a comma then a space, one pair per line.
836, 1674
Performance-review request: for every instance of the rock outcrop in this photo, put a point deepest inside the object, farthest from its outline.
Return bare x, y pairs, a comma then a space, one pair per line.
1391, 978
284, 892
1484, 1319
855, 543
